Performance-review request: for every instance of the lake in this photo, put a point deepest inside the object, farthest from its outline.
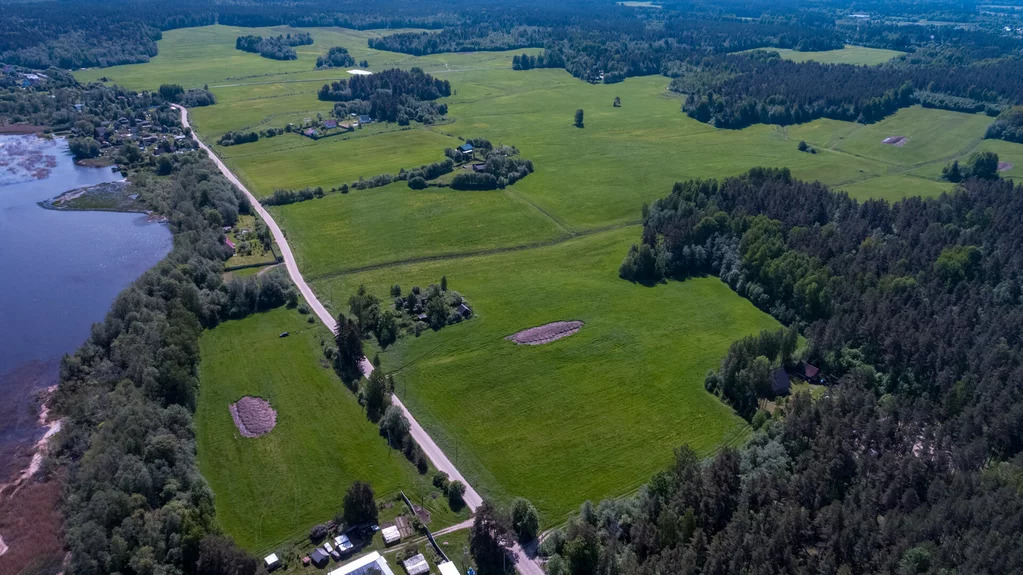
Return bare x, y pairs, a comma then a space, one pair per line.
61, 271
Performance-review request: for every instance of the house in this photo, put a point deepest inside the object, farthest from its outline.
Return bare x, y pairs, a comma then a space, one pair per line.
271, 562
448, 568
416, 565
330, 124
479, 168
391, 535
464, 310
319, 558
808, 373
369, 563
346, 126
466, 149
780, 383
364, 119
310, 133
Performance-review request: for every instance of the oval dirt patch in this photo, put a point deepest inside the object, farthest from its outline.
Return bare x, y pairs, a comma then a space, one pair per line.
253, 416
545, 333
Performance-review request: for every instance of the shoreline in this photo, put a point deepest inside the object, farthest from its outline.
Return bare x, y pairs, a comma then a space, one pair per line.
40, 447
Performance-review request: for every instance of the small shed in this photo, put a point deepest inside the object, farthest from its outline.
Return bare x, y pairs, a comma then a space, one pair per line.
391, 535
809, 373
780, 383
271, 562
464, 310
330, 124
448, 568
364, 119
310, 133
319, 558
416, 565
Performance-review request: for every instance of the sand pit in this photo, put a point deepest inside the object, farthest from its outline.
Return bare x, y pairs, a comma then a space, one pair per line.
897, 141
253, 416
1005, 166
545, 333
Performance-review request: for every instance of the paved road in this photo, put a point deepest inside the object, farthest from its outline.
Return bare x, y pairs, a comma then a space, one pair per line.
524, 565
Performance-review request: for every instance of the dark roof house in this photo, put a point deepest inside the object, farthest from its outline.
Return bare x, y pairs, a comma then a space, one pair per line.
364, 119
464, 310
780, 383
808, 372
319, 558
465, 148
329, 124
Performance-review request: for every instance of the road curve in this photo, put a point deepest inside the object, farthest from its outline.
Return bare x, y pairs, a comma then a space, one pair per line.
523, 564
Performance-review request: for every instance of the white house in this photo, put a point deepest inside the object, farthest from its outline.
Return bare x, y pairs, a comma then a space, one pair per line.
362, 566
271, 561
448, 568
391, 535
416, 565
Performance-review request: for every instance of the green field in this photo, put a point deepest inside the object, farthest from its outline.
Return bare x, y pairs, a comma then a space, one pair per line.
581, 418
586, 417
859, 55
272, 487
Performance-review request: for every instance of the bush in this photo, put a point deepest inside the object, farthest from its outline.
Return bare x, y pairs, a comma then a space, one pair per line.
417, 183
317, 533
456, 492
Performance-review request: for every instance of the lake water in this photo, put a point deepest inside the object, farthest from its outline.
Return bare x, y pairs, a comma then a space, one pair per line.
59, 273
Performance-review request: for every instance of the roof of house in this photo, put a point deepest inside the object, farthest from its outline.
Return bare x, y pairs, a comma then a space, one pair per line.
462, 308
479, 167
780, 381
330, 124
271, 559
363, 118
363, 564
416, 565
466, 147
809, 370
318, 556
343, 543
448, 568
310, 132
391, 534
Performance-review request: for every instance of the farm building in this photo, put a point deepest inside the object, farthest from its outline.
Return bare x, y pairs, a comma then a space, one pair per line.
271, 562
364, 119
464, 310
780, 383
416, 565
364, 565
448, 568
391, 534
319, 558
466, 149
343, 544
329, 124
310, 133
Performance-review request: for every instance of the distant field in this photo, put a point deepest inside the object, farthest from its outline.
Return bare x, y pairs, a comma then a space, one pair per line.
848, 55
369, 227
271, 487
585, 417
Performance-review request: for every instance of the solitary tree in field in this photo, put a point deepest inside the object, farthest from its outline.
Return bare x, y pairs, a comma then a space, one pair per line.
618, 102
579, 118
360, 504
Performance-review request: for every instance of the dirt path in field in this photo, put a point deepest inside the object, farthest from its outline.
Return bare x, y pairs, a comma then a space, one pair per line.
523, 563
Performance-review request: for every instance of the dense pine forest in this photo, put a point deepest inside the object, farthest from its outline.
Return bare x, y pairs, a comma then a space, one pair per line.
915, 308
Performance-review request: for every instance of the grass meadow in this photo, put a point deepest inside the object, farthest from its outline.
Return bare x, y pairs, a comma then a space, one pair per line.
850, 54
270, 488
586, 417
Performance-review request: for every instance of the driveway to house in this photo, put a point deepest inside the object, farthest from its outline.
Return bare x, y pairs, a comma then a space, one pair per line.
523, 564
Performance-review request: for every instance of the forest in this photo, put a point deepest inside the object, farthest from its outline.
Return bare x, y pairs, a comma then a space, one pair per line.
274, 47
389, 96
915, 307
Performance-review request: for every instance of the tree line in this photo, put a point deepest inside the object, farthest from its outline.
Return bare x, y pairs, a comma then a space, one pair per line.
274, 47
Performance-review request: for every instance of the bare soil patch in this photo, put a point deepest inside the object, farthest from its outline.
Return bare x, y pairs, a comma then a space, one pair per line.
897, 141
545, 333
253, 416
1005, 166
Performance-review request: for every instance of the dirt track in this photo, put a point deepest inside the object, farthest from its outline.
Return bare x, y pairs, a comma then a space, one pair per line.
523, 564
